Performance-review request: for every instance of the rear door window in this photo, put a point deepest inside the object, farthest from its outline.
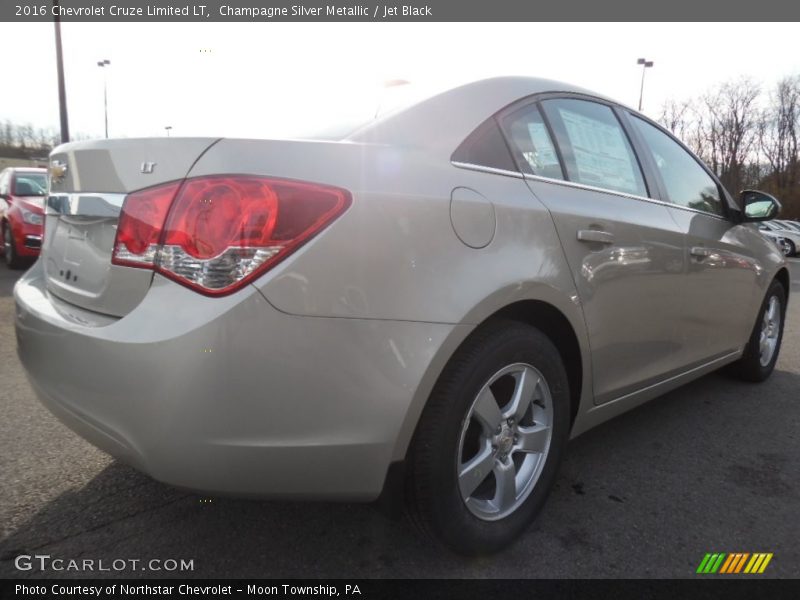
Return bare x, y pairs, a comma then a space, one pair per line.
594, 145
532, 144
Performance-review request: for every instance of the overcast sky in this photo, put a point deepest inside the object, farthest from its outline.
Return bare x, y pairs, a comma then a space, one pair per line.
263, 79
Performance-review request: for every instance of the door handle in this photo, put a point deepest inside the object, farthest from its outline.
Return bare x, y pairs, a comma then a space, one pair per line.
595, 236
700, 252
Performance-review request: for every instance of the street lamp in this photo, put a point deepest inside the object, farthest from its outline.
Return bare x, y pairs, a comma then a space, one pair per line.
105, 63
646, 64
167, 128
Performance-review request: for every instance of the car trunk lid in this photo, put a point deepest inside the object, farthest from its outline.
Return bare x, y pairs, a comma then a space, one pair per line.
89, 182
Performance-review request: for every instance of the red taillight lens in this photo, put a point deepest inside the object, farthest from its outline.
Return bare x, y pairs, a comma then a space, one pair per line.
140, 224
221, 232
211, 215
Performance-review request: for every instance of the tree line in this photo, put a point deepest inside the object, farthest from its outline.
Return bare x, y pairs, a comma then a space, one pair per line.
27, 141
747, 135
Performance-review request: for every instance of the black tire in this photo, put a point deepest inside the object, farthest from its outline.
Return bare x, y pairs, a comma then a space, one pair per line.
433, 499
791, 249
10, 256
749, 367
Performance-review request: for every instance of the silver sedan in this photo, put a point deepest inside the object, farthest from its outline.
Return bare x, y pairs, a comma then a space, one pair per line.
426, 307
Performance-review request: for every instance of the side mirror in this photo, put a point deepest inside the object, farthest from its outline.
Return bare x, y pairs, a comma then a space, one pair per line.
759, 206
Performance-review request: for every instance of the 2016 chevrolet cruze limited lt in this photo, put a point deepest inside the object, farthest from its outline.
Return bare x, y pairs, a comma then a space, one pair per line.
427, 307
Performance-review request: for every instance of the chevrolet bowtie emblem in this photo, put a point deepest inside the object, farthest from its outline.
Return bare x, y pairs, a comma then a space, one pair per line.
58, 170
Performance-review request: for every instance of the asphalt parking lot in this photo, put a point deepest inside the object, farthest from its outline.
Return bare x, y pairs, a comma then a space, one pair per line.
711, 467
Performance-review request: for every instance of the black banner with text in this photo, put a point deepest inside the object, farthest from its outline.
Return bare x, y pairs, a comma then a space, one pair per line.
406, 10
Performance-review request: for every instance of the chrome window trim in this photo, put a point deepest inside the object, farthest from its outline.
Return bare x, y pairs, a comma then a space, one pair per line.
592, 188
482, 169
580, 186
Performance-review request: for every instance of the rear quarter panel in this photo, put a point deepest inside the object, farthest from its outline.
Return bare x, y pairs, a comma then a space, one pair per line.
394, 255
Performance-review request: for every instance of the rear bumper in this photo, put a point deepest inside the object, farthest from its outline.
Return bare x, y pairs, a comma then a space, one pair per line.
228, 395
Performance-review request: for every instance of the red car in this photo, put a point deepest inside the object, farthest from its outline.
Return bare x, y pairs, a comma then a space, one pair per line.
22, 196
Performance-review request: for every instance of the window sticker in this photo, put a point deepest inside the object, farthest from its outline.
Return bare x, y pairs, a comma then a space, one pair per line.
601, 154
545, 153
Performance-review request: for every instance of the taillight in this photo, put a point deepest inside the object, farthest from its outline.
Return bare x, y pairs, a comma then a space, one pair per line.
215, 234
140, 225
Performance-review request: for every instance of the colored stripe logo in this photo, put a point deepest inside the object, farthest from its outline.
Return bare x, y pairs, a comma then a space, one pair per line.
734, 562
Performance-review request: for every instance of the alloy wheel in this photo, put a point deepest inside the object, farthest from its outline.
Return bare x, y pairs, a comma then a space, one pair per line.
770, 331
504, 442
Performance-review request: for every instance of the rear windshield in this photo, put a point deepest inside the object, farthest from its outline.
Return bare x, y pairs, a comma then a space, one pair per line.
30, 184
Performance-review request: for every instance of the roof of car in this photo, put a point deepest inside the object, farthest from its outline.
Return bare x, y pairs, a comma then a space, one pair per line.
28, 169
443, 120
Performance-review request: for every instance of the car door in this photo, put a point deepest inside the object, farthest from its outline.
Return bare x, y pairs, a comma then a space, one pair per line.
623, 248
722, 269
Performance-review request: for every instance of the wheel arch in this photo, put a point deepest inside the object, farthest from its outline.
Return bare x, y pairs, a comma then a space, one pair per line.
562, 325
783, 277
555, 325
555, 313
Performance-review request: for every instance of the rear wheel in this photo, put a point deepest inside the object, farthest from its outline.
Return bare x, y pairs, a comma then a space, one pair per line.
488, 445
761, 352
10, 256
789, 249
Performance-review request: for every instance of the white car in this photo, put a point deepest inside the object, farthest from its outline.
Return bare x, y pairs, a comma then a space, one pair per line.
790, 225
780, 242
785, 231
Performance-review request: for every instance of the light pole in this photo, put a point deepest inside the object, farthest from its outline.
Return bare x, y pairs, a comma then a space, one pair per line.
62, 91
646, 64
104, 63
167, 128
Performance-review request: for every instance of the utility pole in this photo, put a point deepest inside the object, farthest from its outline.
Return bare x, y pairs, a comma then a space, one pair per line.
62, 91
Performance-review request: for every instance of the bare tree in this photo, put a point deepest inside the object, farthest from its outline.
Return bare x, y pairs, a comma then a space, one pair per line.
778, 134
674, 116
7, 133
729, 129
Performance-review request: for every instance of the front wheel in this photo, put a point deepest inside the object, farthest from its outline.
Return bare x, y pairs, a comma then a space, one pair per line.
761, 352
789, 249
488, 445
